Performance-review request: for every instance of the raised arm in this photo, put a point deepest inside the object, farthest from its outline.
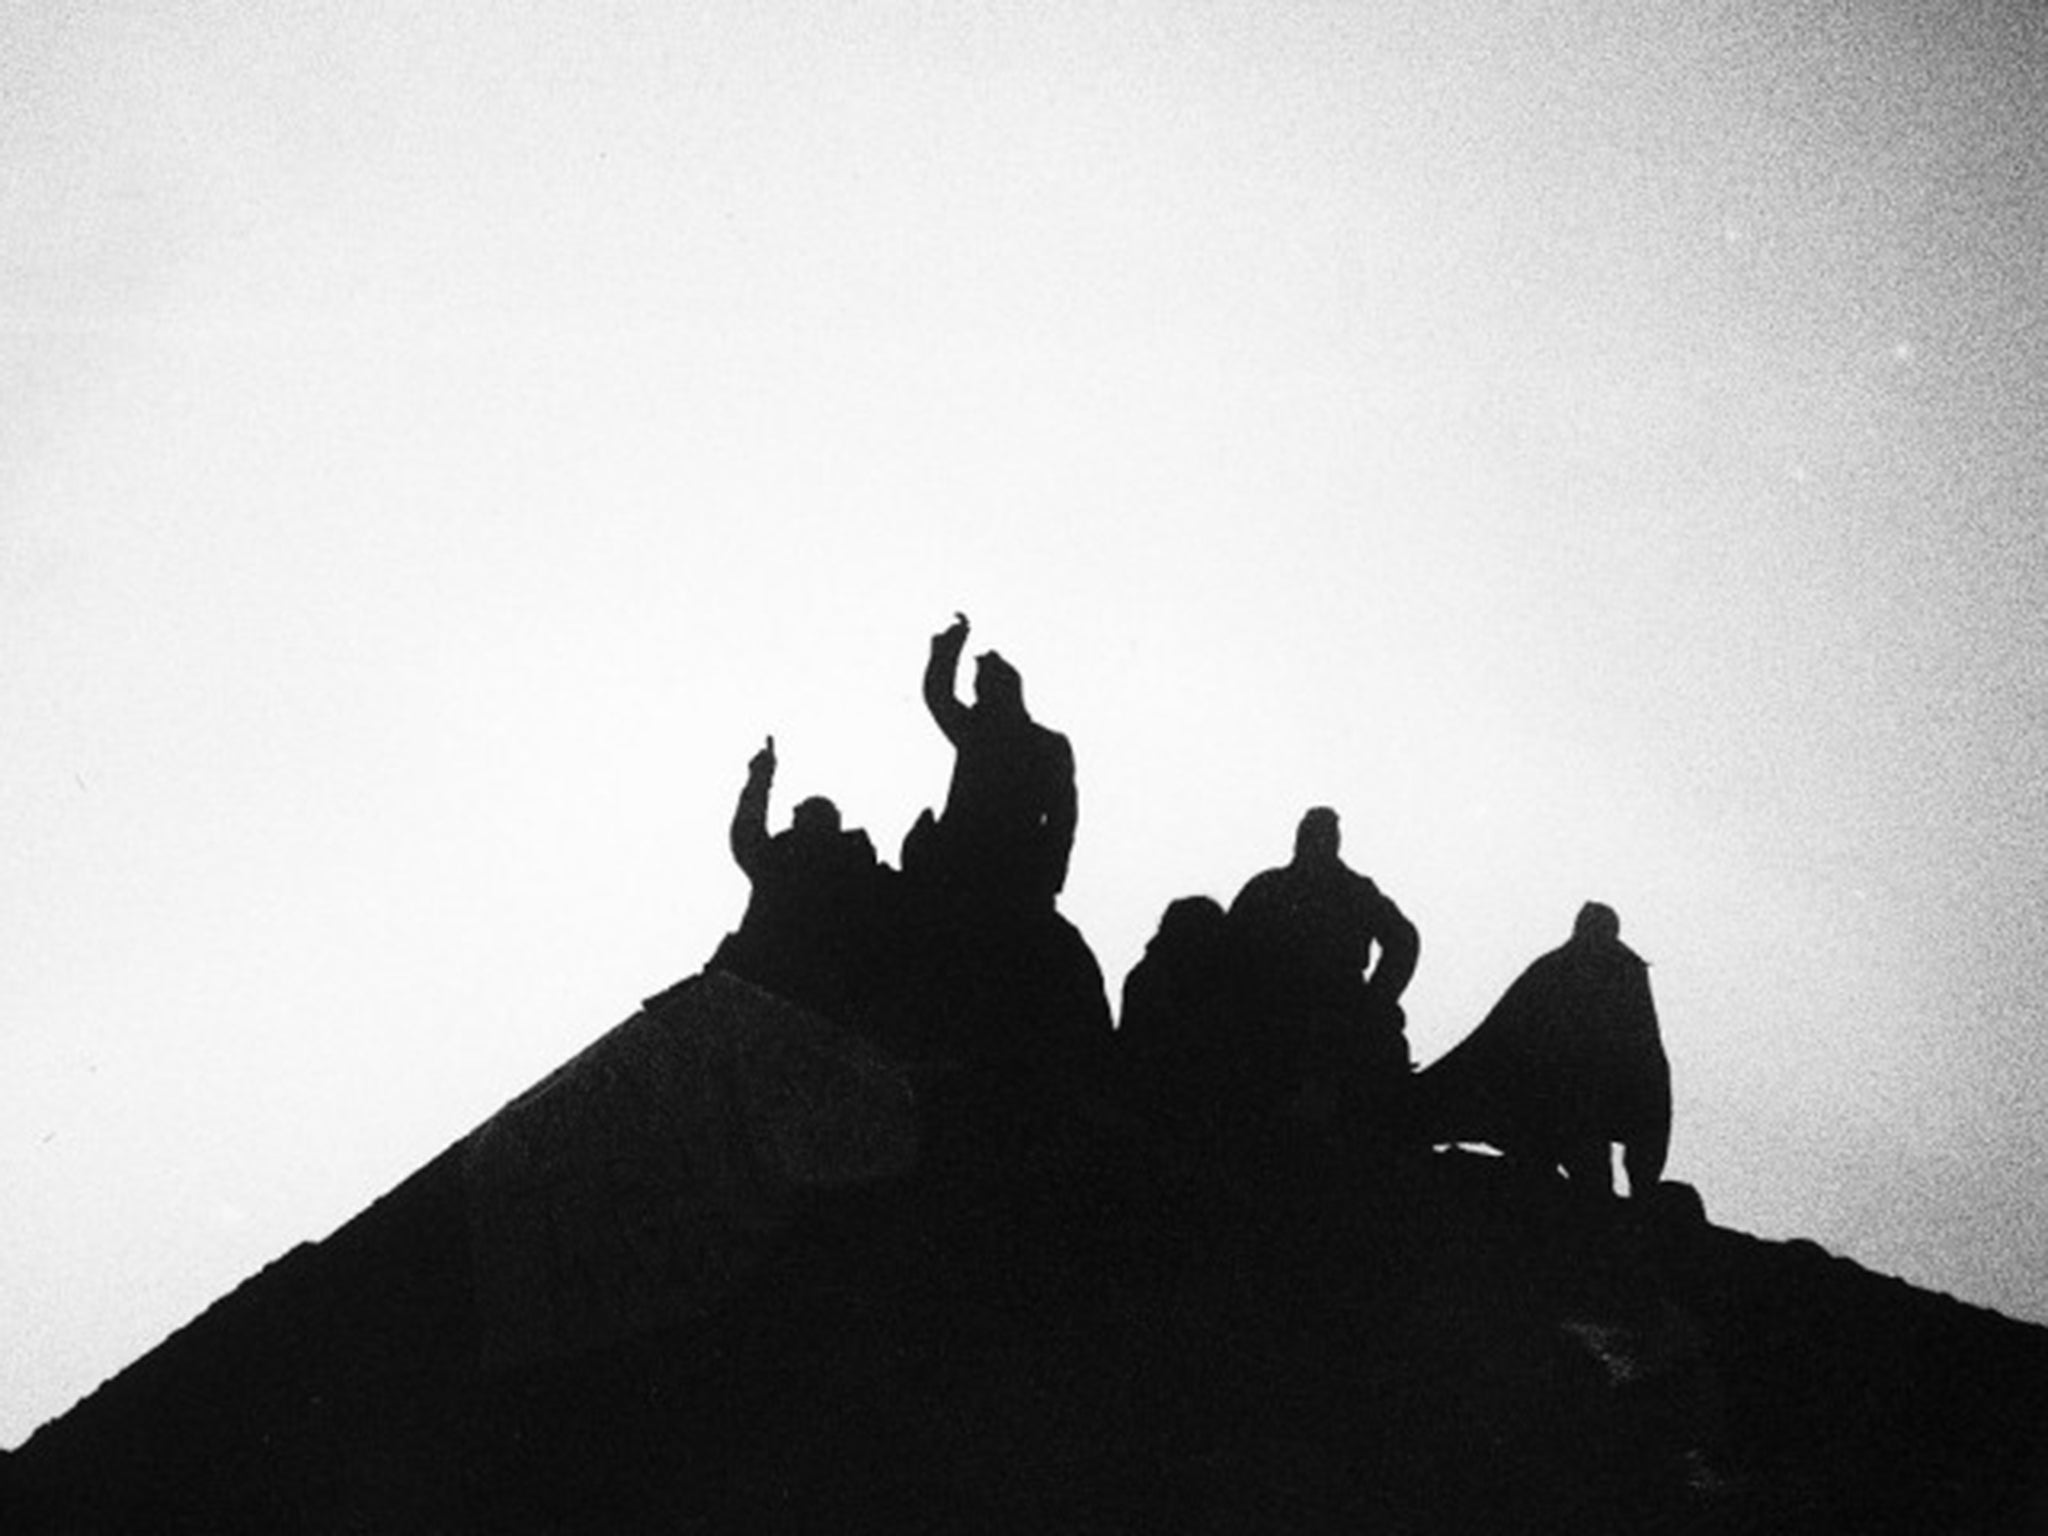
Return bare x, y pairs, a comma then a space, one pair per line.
750, 816
939, 673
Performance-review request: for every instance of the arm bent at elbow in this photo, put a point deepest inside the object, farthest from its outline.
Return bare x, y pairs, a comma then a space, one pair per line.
1400, 951
939, 672
750, 815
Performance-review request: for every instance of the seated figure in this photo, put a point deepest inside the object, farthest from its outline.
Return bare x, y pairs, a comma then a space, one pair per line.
817, 904
1567, 1063
1181, 1044
1002, 975
1006, 833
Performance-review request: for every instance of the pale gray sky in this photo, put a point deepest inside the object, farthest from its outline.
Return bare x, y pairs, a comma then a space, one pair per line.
1599, 450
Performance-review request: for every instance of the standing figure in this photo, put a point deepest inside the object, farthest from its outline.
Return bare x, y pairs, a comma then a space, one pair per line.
1009, 978
1567, 1063
1007, 830
1326, 956
1314, 926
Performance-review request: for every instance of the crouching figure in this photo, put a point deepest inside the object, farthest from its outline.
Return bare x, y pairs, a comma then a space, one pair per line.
1568, 1063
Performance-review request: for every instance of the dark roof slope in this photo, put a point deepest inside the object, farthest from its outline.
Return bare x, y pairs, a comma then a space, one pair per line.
733, 1270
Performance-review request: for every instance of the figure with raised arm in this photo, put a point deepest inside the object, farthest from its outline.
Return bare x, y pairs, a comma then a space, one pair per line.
1011, 979
1006, 833
815, 896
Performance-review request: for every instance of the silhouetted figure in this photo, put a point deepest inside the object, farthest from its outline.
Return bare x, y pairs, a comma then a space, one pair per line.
1325, 955
1312, 928
1568, 1062
1186, 1054
1007, 830
1004, 976
819, 900
1182, 983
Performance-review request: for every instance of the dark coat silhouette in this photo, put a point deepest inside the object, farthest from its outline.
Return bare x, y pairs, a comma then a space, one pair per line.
1001, 976
817, 903
1310, 929
1568, 1062
1187, 1054
1324, 955
1176, 997
1007, 830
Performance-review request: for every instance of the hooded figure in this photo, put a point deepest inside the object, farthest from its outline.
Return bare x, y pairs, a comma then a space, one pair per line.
1568, 1062
1007, 830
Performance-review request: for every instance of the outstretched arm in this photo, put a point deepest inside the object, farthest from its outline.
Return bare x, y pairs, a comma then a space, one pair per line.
750, 816
939, 672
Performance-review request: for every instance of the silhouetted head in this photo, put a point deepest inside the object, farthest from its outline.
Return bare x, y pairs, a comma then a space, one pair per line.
1598, 921
1317, 839
997, 684
815, 817
1190, 922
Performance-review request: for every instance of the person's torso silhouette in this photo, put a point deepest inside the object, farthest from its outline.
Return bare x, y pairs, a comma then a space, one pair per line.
1007, 830
815, 900
1313, 926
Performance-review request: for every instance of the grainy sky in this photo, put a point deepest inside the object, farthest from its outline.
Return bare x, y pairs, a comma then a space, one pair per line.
1599, 448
